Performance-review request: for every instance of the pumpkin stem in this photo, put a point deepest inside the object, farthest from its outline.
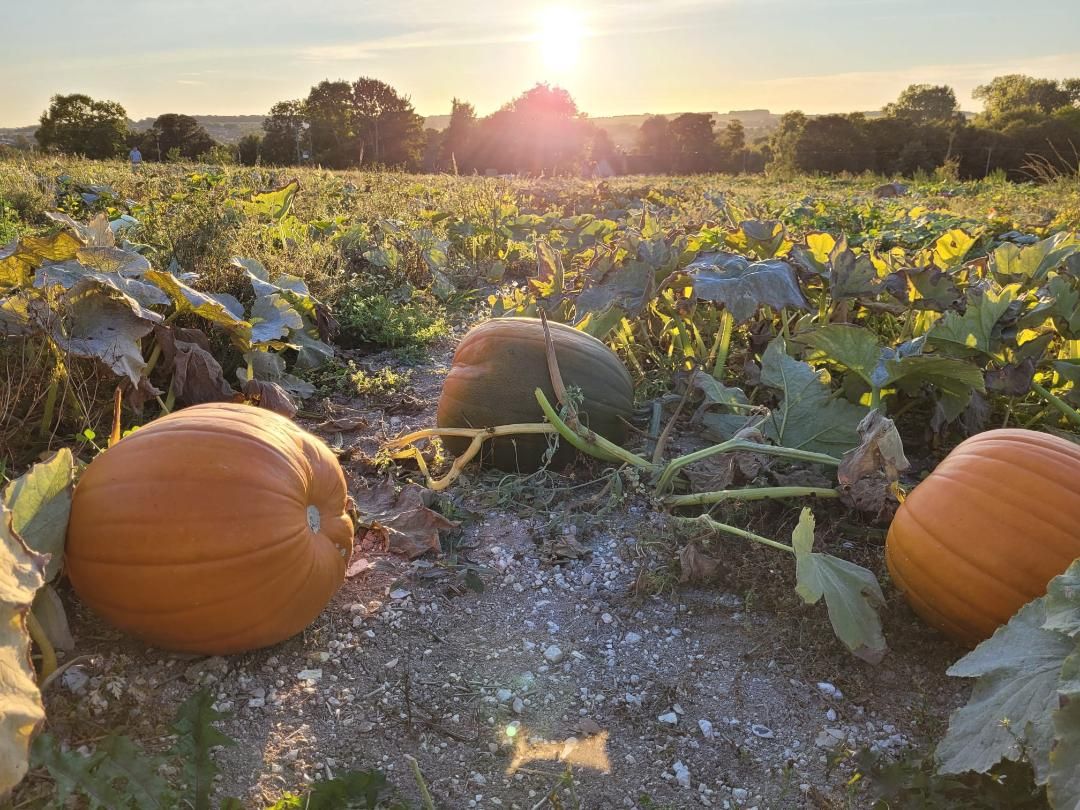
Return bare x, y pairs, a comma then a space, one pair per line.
1066, 410
717, 526
591, 443
314, 519
118, 398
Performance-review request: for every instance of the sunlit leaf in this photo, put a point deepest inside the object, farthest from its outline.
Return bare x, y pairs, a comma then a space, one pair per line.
272, 317
951, 248
1033, 262
743, 287
973, 332
188, 299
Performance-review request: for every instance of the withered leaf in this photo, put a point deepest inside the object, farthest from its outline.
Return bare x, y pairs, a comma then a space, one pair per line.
695, 565
403, 519
880, 451
270, 395
197, 376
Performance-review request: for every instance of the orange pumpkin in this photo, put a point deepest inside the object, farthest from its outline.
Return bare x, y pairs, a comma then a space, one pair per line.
986, 531
217, 529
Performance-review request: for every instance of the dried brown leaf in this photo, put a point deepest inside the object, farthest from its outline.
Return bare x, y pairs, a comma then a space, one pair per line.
270, 395
197, 376
402, 519
696, 565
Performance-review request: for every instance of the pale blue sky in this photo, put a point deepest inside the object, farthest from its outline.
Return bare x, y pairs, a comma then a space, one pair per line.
616, 56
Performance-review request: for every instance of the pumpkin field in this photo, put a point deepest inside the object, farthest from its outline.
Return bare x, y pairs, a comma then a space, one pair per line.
365, 489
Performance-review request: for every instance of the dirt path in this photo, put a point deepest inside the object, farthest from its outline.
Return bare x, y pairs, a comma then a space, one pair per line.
712, 697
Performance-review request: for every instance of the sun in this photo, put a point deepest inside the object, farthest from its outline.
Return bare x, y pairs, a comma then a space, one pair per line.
560, 37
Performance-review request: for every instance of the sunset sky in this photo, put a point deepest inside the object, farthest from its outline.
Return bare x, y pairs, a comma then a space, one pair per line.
241, 56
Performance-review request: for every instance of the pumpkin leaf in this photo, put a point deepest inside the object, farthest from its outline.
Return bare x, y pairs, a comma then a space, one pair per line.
1063, 780
271, 396
1063, 602
95, 233
629, 289
272, 317
40, 503
105, 324
852, 593
274, 204
197, 736
1009, 713
808, 417
68, 274
973, 332
197, 375
310, 351
1033, 262
852, 275
403, 520
743, 287
550, 276
113, 260
188, 299
21, 710
950, 248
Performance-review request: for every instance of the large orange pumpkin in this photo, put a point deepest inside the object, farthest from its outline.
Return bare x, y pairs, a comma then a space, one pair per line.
217, 529
986, 531
496, 370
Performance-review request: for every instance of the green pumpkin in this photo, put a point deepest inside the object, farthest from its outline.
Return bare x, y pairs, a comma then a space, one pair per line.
497, 368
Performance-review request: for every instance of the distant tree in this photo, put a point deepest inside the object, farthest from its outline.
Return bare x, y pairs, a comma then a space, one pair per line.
79, 125
733, 138
654, 142
285, 128
832, 144
389, 129
329, 110
249, 149
539, 132
695, 142
782, 143
733, 155
430, 160
175, 131
1072, 87
925, 104
1006, 94
458, 138
601, 148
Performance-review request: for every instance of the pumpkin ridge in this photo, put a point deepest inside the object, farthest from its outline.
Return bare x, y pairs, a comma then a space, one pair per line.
923, 608
944, 577
982, 486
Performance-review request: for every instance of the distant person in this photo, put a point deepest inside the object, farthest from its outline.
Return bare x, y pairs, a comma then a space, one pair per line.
135, 156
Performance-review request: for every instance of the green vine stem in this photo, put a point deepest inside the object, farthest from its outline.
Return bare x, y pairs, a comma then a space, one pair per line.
1066, 410
41, 638
722, 347
50, 404
717, 526
594, 445
732, 445
750, 494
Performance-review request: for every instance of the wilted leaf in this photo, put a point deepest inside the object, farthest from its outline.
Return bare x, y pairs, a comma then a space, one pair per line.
68, 274
695, 565
403, 519
40, 503
197, 376
21, 712
741, 287
881, 450
852, 593
1012, 380
95, 233
550, 276
271, 367
808, 417
1011, 706
271, 396
925, 288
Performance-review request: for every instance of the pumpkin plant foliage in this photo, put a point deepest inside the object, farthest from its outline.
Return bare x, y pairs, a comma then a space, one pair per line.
1025, 701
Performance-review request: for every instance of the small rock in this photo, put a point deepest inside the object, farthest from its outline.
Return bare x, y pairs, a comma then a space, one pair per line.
518, 706
682, 774
503, 695
309, 674
830, 715
589, 727
669, 717
399, 593
828, 689
829, 738
706, 728
764, 732
606, 618
75, 680
740, 794
554, 654
632, 638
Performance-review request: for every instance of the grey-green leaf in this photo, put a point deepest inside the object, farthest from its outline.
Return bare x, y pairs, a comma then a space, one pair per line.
852, 593
1014, 697
1063, 602
743, 287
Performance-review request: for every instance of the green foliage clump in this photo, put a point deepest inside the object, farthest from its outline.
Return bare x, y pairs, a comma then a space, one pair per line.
407, 321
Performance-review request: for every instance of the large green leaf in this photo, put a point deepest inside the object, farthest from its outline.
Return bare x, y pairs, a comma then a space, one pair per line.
973, 332
76, 775
1033, 262
743, 287
852, 275
1063, 602
808, 416
1064, 306
950, 248
274, 204
272, 317
22, 572
40, 503
1063, 780
1014, 697
629, 288
68, 274
113, 260
852, 593
188, 299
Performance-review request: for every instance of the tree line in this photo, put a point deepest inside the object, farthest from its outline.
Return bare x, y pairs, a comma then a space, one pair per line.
1027, 125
